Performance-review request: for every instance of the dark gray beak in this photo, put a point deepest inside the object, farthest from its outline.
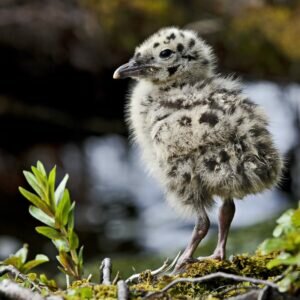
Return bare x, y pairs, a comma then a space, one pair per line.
131, 69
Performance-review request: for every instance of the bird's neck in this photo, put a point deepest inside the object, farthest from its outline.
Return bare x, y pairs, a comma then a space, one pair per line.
181, 81
190, 77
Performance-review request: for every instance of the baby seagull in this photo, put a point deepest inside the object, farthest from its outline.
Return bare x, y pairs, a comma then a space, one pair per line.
199, 134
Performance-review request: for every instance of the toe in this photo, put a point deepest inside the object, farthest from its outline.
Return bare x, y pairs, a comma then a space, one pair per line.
182, 264
213, 256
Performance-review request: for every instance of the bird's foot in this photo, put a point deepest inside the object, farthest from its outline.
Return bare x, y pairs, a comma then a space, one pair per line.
216, 255
182, 263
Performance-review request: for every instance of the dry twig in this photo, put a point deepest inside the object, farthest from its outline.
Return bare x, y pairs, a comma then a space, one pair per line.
123, 291
166, 267
116, 279
105, 271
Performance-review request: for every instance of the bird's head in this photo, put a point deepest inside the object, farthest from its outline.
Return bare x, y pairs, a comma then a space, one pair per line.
168, 55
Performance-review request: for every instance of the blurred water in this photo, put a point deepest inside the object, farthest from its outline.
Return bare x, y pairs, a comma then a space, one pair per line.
117, 172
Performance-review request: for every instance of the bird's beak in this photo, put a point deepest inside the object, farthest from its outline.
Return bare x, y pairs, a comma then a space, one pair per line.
131, 69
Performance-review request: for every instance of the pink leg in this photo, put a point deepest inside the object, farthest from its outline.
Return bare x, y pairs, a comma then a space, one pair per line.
226, 215
199, 232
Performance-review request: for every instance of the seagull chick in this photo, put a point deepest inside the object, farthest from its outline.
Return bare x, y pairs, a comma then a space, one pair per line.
199, 134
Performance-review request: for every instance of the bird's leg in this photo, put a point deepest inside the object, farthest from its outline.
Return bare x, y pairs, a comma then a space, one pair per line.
226, 215
199, 232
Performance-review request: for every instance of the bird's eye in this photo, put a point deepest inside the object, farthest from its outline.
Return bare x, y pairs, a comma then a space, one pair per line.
165, 53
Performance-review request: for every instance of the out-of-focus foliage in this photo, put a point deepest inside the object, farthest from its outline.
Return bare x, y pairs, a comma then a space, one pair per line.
52, 206
286, 243
19, 260
261, 40
127, 23
265, 40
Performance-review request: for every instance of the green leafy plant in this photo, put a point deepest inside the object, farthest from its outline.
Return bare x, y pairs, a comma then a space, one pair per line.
19, 260
53, 207
286, 242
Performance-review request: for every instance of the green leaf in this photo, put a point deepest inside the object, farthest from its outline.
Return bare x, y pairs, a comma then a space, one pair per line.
35, 200
13, 260
285, 259
32, 276
60, 189
51, 186
71, 218
61, 245
34, 184
286, 283
73, 240
296, 218
22, 253
271, 245
41, 168
279, 229
48, 232
66, 262
41, 216
48, 282
285, 218
42, 179
80, 257
39, 259
63, 208
284, 224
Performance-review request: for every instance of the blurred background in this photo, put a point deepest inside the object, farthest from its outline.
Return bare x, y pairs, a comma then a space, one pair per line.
59, 104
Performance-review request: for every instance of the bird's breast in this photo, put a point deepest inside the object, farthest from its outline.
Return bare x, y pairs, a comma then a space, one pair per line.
182, 131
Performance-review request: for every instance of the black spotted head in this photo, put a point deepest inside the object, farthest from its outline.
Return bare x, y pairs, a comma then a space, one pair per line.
168, 55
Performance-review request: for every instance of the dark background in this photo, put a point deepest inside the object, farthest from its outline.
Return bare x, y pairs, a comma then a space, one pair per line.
59, 104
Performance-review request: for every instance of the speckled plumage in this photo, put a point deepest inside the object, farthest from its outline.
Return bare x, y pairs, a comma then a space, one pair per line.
199, 134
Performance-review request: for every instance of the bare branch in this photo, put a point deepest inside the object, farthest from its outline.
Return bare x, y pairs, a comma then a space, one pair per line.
12, 290
123, 291
17, 274
213, 276
105, 271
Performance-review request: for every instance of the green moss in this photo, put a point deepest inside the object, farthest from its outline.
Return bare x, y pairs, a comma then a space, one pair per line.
106, 292
243, 265
83, 289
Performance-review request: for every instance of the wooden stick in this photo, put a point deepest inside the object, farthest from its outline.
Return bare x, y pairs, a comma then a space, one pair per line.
123, 291
105, 271
213, 276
